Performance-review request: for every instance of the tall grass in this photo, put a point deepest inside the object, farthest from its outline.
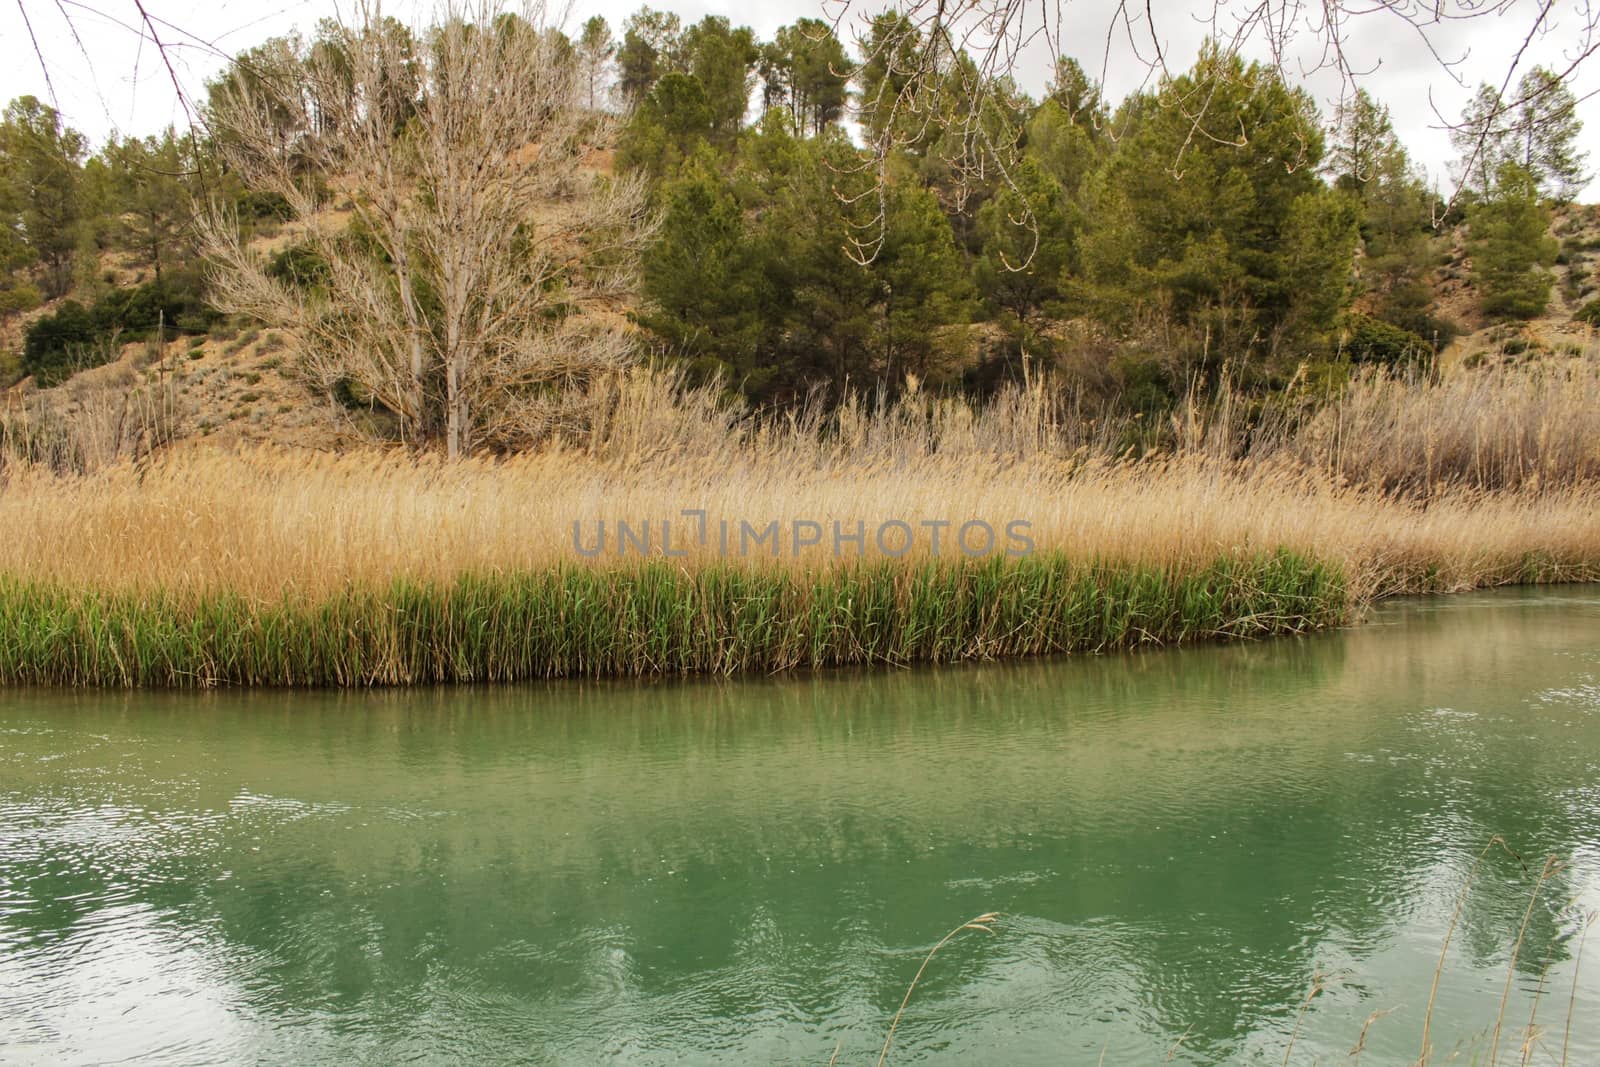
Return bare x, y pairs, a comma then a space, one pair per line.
264, 565
1517, 427
647, 619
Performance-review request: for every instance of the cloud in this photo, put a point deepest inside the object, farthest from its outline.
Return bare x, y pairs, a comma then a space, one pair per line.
116, 84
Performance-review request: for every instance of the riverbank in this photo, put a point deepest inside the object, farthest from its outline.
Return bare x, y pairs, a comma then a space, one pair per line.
651, 619
277, 569
676, 536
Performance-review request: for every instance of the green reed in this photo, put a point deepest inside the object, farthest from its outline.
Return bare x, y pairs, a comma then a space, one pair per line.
652, 619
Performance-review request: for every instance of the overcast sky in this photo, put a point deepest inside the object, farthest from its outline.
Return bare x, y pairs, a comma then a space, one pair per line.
107, 79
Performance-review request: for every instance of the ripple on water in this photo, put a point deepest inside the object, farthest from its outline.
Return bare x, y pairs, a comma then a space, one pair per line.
752, 873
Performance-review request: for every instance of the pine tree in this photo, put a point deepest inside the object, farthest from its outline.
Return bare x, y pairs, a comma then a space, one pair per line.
1509, 243
1029, 233
1200, 229
920, 282
1544, 130
805, 69
1482, 141
1363, 137
148, 179
596, 49
721, 57
42, 164
1538, 130
651, 47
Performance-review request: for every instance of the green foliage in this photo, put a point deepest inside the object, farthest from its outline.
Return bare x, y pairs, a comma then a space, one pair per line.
1509, 244
596, 48
1370, 340
650, 619
56, 345
259, 207
41, 164
1232, 236
804, 71
1537, 129
672, 119
18, 296
1065, 147
1589, 314
720, 58
74, 338
298, 265
917, 284
707, 291
750, 276
651, 47
1029, 232
893, 51
152, 199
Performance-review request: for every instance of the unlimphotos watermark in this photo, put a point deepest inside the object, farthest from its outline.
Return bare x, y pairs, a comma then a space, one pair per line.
972, 538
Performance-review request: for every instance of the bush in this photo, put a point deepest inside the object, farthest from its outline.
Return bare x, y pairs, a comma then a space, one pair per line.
260, 207
20, 297
1370, 340
1589, 314
55, 344
299, 266
74, 338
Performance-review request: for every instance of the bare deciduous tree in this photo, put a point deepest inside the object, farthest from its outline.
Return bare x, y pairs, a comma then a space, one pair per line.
459, 289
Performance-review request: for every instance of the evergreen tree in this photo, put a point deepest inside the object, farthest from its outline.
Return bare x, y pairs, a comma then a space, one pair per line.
1543, 130
1398, 238
1509, 244
1482, 140
1202, 227
42, 164
17, 293
1078, 95
828, 326
721, 58
1029, 232
804, 69
893, 54
667, 126
1363, 140
1538, 130
1064, 147
596, 49
705, 293
149, 181
920, 285
651, 47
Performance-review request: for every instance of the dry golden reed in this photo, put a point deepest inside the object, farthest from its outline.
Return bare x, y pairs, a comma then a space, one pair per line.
1189, 533
267, 523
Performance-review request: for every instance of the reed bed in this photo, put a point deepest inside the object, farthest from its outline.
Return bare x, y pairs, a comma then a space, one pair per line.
1507, 427
266, 566
649, 619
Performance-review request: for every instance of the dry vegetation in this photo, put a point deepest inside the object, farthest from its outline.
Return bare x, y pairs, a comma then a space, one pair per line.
1405, 486
1482, 478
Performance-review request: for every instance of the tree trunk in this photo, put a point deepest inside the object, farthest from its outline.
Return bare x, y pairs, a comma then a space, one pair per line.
453, 406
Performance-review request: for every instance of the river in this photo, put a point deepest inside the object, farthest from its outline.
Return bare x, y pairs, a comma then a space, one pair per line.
1181, 844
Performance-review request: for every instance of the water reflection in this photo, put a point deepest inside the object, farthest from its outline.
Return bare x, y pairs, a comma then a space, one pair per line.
752, 871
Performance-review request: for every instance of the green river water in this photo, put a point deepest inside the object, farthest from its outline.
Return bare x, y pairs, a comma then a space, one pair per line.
1180, 843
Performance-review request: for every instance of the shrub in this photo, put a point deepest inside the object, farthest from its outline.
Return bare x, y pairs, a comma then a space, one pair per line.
20, 297
76, 337
1370, 340
260, 206
53, 344
298, 265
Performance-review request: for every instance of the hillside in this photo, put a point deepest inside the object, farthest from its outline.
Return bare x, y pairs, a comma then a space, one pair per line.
238, 383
